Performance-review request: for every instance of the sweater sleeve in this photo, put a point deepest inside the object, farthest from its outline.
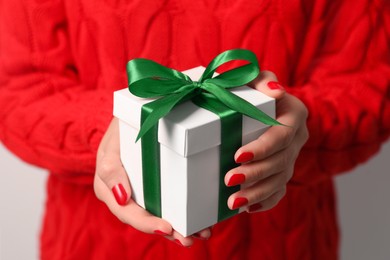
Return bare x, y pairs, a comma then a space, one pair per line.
346, 88
47, 116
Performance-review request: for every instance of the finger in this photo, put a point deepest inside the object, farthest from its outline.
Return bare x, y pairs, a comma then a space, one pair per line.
188, 241
110, 170
259, 191
110, 140
272, 141
109, 166
267, 204
181, 240
132, 214
275, 138
259, 170
267, 83
203, 234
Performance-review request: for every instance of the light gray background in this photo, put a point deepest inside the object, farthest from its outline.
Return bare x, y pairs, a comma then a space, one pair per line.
364, 208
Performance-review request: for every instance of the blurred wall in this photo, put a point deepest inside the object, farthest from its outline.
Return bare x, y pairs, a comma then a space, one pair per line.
364, 208
22, 197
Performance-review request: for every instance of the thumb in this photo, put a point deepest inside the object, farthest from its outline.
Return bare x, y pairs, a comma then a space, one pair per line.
109, 167
267, 83
112, 173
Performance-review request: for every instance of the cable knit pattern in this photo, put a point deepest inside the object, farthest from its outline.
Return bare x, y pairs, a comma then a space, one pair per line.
60, 61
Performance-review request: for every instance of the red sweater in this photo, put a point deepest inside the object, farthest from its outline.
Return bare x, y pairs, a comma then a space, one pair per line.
60, 61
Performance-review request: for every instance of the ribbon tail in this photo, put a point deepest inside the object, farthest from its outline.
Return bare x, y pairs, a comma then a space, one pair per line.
240, 105
160, 108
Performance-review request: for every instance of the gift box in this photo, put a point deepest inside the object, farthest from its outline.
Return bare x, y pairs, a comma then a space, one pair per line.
191, 193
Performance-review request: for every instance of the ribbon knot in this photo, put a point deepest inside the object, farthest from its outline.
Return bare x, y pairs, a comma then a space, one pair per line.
197, 84
148, 79
194, 87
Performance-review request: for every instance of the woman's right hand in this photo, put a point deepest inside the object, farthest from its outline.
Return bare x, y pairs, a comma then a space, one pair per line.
112, 186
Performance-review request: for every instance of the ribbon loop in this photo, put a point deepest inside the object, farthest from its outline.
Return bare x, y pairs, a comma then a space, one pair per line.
241, 75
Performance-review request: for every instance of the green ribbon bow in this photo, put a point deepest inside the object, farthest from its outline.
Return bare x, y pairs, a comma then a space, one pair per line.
148, 79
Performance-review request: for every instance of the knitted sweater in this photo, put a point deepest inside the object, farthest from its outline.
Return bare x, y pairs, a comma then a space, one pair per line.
60, 61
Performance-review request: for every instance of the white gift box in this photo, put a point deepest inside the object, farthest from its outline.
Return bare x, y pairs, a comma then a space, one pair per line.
189, 138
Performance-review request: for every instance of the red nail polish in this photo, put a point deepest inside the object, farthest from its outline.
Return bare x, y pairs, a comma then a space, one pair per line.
245, 157
275, 85
236, 179
159, 232
255, 207
239, 202
120, 194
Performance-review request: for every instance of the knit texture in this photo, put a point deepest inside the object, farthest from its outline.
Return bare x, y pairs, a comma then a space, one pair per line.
60, 61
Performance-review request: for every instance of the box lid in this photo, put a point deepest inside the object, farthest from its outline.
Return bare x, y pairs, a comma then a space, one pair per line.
189, 129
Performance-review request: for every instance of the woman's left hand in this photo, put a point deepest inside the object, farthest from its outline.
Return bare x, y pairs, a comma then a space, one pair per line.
267, 164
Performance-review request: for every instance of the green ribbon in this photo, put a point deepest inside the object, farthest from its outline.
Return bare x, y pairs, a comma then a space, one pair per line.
148, 79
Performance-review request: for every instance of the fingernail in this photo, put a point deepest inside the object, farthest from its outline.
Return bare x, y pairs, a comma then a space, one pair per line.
120, 194
239, 202
275, 85
177, 241
236, 179
245, 157
159, 232
255, 207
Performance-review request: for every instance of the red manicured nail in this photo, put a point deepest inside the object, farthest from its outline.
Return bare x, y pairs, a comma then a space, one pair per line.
275, 85
245, 157
159, 232
239, 202
236, 179
120, 194
255, 207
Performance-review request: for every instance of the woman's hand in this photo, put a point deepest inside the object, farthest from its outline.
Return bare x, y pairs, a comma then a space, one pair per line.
267, 164
112, 186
